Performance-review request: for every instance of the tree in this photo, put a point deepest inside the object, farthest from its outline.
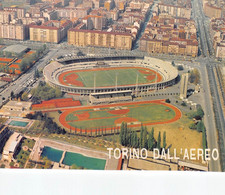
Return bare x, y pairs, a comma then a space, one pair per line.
122, 133
151, 140
12, 95
200, 126
204, 140
168, 101
44, 47
194, 76
144, 143
173, 63
159, 141
36, 74
164, 140
24, 96
192, 126
180, 67
200, 112
183, 104
141, 136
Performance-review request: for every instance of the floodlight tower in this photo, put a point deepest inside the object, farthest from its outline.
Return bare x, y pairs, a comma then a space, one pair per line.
94, 82
156, 88
116, 81
137, 85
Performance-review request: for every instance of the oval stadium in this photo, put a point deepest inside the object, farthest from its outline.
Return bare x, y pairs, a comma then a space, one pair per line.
101, 74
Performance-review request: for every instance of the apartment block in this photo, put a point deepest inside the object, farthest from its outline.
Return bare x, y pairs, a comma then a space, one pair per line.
20, 12
212, 11
13, 31
7, 16
81, 37
51, 31
176, 11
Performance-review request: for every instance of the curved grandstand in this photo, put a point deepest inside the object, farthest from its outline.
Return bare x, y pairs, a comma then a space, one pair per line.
86, 75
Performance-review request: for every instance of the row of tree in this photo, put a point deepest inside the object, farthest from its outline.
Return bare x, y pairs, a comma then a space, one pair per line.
198, 125
130, 138
94, 132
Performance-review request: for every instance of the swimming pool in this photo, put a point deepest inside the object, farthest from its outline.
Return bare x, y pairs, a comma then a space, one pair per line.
74, 158
18, 123
52, 154
84, 161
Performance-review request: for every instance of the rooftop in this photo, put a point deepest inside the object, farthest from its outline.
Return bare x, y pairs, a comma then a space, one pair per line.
15, 49
18, 104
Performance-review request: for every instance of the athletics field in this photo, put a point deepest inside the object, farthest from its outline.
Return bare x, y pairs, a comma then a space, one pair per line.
108, 116
107, 77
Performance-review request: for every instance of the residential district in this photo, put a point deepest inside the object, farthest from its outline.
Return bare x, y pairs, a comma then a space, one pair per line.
82, 82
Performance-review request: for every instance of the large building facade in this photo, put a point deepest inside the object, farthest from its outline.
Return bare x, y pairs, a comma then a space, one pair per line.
212, 11
81, 37
52, 31
13, 31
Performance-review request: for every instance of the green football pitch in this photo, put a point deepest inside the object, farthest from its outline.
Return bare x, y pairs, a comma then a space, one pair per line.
107, 77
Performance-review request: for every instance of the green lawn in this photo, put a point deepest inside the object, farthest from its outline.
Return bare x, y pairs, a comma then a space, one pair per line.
105, 78
23, 156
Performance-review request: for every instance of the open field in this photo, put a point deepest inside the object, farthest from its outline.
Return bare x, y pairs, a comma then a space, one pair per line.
179, 136
106, 77
108, 116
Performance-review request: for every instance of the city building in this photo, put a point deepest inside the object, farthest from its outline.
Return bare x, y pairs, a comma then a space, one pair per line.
7, 16
212, 11
11, 146
51, 31
16, 108
5, 133
176, 11
13, 31
20, 12
80, 37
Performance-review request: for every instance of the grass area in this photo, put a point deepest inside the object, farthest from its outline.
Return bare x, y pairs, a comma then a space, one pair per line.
151, 113
107, 77
99, 114
71, 117
23, 156
95, 123
29, 143
179, 135
37, 127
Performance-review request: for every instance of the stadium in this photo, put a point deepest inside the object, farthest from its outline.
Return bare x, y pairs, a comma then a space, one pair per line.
109, 74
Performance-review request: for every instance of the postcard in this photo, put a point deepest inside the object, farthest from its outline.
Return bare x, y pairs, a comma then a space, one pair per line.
112, 85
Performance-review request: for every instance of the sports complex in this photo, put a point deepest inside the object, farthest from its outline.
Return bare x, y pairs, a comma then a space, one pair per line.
87, 75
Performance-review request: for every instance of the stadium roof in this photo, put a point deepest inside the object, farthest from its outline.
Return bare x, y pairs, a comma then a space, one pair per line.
15, 49
111, 92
